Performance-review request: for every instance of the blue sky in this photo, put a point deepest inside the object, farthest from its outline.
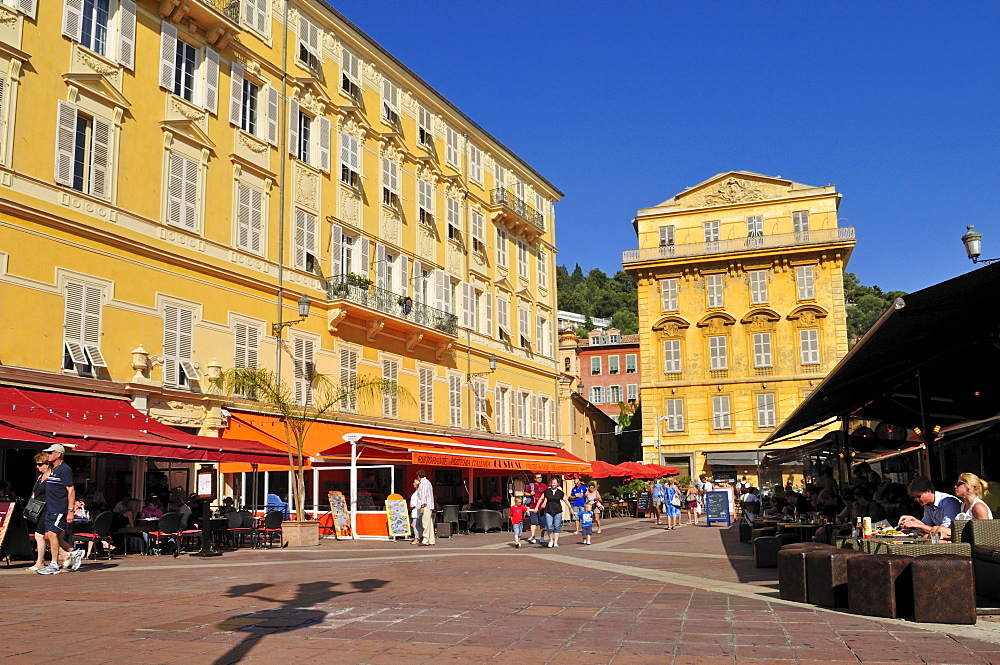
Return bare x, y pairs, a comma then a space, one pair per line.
623, 104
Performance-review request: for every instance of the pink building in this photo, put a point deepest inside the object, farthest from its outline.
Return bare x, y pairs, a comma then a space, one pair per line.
607, 363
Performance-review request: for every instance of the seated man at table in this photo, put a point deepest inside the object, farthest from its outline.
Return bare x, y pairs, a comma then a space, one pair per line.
151, 511
939, 508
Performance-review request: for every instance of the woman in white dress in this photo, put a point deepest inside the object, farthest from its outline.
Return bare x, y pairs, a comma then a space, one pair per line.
969, 489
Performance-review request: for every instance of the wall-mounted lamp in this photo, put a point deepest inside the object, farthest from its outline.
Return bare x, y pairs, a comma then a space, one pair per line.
303, 303
973, 241
493, 368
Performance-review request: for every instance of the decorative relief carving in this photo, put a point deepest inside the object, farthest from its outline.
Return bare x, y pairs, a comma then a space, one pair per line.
480, 259
443, 348
350, 206
332, 44
391, 152
374, 327
488, 163
373, 74
349, 125
455, 192
427, 174
408, 101
439, 126
454, 260
716, 326
252, 143
309, 101
807, 319
760, 322
390, 226
187, 110
307, 189
425, 243
333, 318
412, 340
7, 15
177, 412
671, 329
97, 65
732, 190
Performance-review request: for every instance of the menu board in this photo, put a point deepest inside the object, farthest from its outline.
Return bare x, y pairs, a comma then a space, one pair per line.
340, 514
6, 515
398, 513
643, 501
717, 507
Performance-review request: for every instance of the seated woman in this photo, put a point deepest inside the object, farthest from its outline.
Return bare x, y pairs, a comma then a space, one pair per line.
969, 489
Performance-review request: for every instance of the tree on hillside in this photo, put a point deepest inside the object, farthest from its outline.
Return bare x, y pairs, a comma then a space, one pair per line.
865, 304
595, 295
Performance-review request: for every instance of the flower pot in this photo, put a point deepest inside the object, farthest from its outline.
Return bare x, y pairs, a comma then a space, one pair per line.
300, 534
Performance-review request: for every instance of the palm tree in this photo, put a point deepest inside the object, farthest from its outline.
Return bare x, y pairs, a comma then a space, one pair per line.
299, 412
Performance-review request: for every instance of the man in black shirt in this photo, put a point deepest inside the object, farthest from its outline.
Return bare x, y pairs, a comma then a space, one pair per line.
60, 500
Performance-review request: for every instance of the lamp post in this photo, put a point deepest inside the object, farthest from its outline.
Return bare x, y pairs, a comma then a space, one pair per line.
303, 304
658, 420
973, 241
493, 368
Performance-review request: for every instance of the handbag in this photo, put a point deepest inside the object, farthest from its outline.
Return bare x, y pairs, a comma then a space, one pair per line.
34, 509
675, 500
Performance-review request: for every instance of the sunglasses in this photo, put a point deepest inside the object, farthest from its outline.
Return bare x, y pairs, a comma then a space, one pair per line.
959, 483
41, 464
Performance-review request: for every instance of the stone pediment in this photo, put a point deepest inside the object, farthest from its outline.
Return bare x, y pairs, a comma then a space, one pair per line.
734, 188
311, 95
189, 130
97, 85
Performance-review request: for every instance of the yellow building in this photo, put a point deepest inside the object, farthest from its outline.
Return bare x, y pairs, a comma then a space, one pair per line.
741, 312
167, 179
587, 431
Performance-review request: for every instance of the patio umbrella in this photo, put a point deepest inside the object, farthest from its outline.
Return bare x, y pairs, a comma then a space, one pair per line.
601, 469
665, 470
636, 470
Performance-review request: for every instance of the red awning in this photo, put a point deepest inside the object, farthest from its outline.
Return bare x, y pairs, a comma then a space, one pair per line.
114, 426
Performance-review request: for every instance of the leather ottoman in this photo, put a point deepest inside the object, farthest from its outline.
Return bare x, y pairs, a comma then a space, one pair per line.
765, 550
880, 585
792, 570
826, 576
746, 532
443, 529
943, 589
763, 531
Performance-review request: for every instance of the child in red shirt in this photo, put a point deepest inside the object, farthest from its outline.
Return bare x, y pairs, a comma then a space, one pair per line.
517, 513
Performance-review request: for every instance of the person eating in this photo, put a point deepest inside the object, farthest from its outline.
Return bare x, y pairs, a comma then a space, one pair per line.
940, 508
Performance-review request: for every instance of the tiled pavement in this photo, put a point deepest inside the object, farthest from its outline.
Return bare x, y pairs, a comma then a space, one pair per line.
639, 595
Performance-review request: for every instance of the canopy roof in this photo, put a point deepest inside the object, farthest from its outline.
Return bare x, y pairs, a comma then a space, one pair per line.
940, 343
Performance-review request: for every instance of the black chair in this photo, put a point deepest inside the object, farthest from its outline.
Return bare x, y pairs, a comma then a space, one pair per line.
450, 514
238, 530
168, 533
101, 533
487, 520
272, 527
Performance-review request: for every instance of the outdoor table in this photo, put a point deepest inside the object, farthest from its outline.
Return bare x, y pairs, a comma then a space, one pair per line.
470, 519
803, 532
910, 546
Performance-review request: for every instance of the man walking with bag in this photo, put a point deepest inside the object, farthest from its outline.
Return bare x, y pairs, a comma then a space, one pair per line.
60, 501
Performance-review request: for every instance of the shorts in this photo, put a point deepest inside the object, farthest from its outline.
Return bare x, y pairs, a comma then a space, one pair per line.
534, 518
55, 522
517, 528
587, 530
657, 503
553, 523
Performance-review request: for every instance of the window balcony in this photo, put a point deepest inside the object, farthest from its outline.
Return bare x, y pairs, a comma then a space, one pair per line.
844, 235
519, 216
220, 19
358, 298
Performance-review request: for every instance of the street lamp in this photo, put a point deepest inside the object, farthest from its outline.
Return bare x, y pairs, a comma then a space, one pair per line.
973, 241
303, 304
493, 368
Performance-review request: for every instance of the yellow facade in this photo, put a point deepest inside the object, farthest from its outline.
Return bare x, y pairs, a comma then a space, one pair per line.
741, 313
166, 179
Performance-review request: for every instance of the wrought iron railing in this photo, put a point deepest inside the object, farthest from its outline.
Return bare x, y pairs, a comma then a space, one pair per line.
228, 8
817, 237
362, 292
506, 198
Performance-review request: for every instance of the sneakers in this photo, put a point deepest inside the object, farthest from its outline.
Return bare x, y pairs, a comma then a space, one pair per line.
555, 544
77, 557
36, 568
551, 544
51, 569
517, 544
532, 540
67, 562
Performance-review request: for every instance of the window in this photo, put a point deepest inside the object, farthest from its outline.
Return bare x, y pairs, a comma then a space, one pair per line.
766, 417
755, 231
478, 232
595, 365
349, 379
543, 268
672, 356
675, 415
390, 183
390, 102
543, 336
426, 379
720, 412
249, 218
479, 395
806, 282
183, 177
712, 235
178, 337
455, 400
667, 236
310, 49
502, 400
718, 358
487, 310
469, 302
425, 202
451, 149
630, 363
614, 394
248, 107
503, 320
453, 214
246, 338
809, 343
668, 290
713, 288
190, 73
547, 420
762, 349
523, 328
425, 127
522, 259
304, 241
475, 163
82, 329
597, 395
83, 152
257, 15
800, 223
633, 393
350, 74
390, 402
522, 413
303, 363
614, 338
91, 24
758, 287
566, 364
245, 106
350, 160
304, 144
499, 175
613, 364
501, 248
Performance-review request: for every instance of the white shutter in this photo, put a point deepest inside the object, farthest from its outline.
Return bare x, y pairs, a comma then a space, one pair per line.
170, 345
175, 188
337, 251
263, 17
468, 308
404, 275
324, 145
236, 94
240, 347
272, 115
390, 404
539, 335
168, 54
126, 34
439, 289
189, 220
414, 287
256, 221
489, 314
211, 102
3, 94
349, 378
65, 143
446, 290
364, 248
28, 7
72, 25
242, 216
380, 267
300, 243
100, 159
293, 127
426, 395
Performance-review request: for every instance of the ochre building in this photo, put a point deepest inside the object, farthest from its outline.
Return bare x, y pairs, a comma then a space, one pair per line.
741, 313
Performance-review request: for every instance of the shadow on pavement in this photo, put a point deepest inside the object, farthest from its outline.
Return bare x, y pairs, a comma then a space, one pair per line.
740, 557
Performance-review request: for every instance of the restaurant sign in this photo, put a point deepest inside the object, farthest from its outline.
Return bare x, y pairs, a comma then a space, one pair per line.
494, 464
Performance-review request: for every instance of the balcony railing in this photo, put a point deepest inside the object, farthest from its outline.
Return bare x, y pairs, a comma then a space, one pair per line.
753, 243
228, 8
507, 199
364, 293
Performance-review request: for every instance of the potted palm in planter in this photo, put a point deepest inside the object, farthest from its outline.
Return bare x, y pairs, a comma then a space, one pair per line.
261, 385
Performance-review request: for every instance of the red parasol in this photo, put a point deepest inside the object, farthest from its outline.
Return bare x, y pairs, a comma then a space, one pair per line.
665, 470
604, 470
636, 470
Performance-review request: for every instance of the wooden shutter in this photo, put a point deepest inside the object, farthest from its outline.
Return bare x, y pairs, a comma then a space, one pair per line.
72, 24
263, 17
303, 370
211, 101
65, 143
446, 303
242, 216
236, 95
28, 7
189, 219
246, 338
293, 127
413, 286
324, 144
3, 96
380, 267
256, 221
304, 240
426, 395
489, 314
439, 289
126, 34
455, 400
168, 54
363, 246
348, 378
170, 330
390, 404
337, 251
100, 159
272, 115
539, 335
